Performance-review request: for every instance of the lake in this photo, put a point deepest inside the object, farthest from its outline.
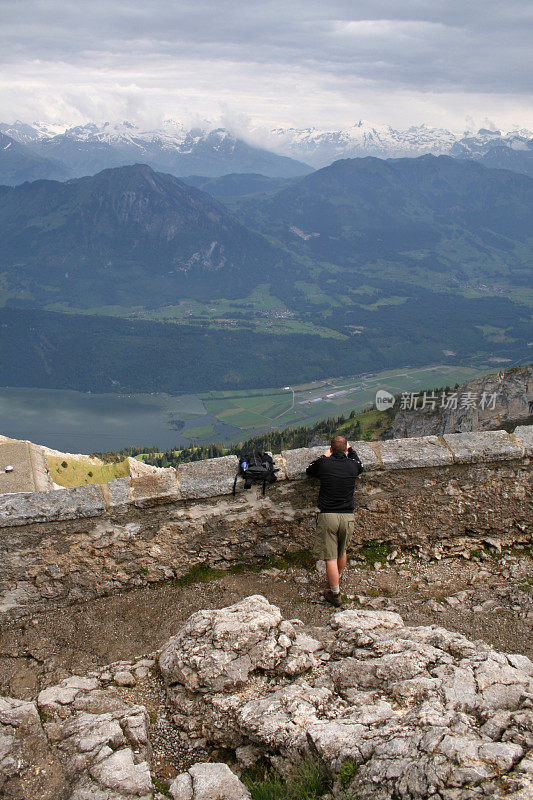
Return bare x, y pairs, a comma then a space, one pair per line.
78, 422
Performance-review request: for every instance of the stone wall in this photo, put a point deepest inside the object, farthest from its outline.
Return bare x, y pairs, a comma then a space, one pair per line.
433, 493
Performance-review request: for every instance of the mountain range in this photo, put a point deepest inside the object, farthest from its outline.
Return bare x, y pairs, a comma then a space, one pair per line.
133, 237
127, 236
430, 221
136, 280
18, 164
87, 149
512, 150
60, 152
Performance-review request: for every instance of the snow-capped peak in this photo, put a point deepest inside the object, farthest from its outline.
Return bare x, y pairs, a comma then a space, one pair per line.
25, 134
320, 147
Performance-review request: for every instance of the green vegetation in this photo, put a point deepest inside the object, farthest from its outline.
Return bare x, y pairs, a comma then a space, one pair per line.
161, 785
303, 283
200, 573
309, 782
110, 354
373, 551
348, 771
203, 573
77, 473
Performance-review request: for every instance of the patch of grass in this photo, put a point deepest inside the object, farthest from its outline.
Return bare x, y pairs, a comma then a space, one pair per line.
201, 431
200, 573
76, 472
203, 573
348, 771
372, 552
309, 782
142, 571
298, 558
160, 785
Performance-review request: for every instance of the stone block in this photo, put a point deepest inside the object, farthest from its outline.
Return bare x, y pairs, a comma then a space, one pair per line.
367, 454
208, 781
480, 446
524, 436
155, 489
426, 451
41, 474
296, 461
208, 478
280, 465
117, 494
23, 508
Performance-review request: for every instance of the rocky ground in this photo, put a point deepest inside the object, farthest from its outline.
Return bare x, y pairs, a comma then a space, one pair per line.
484, 595
392, 712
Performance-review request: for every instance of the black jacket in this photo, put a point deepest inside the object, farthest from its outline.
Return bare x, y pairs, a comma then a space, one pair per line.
337, 474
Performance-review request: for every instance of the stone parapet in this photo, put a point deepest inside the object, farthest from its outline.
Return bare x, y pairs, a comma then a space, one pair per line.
523, 435
483, 446
214, 477
438, 495
21, 508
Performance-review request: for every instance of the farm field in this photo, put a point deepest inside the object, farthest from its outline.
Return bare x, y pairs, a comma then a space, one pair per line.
261, 410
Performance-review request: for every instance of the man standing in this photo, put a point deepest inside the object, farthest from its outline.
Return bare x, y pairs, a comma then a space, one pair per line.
337, 470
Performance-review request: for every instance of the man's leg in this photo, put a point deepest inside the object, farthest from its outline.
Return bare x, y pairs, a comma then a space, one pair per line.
333, 594
333, 574
341, 563
334, 569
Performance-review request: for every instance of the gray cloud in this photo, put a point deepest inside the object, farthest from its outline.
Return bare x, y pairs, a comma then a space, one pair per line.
303, 62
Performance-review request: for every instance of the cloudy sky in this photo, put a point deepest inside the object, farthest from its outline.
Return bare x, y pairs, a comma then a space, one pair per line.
449, 63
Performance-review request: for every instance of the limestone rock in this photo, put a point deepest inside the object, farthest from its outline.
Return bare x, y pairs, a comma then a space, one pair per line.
124, 678
100, 742
217, 650
22, 508
420, 711
29, 767
524, 436
425, 451
507, 398
213, 476
120, 772
206, 781
153, 489
482, 446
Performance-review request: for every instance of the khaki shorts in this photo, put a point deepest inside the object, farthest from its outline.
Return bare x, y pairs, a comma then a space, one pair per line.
333, 535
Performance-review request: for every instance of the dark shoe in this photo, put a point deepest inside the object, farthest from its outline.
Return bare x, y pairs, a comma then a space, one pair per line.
334, 599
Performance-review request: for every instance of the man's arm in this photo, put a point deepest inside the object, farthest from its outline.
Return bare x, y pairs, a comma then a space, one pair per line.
352, 455
314, 467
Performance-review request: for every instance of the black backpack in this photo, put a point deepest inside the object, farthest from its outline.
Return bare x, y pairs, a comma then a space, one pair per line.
256, 468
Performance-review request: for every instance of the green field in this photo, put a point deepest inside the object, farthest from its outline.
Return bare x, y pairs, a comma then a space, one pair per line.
261, 410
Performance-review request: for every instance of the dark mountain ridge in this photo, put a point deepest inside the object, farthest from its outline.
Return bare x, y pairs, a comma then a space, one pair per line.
132, 237
433, 213
125, 236
18, 163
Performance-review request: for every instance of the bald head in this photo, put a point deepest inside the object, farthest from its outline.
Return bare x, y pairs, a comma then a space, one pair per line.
339, 444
